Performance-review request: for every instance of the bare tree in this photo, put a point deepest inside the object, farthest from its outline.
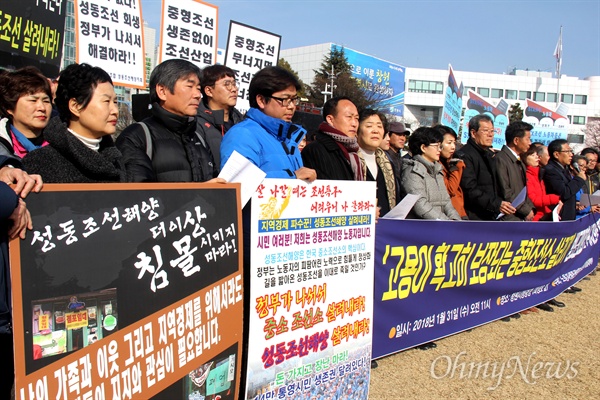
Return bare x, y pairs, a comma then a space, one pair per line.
125, 119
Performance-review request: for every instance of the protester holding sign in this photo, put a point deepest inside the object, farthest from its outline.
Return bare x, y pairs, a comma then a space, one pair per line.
25, 106
267, 137
164, 146
80, 148
558, 178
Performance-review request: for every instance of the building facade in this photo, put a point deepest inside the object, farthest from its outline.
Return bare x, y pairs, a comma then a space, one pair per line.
424, 89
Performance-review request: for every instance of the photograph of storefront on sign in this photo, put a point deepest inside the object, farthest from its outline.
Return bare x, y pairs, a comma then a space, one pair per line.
68, 323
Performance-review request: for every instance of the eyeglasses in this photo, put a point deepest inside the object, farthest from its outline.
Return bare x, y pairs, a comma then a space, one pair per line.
438, 145
234, 83
565, 151
287, 101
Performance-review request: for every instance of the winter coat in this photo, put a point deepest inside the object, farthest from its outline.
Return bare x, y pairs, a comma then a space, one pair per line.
10, 145
536, 191
511, 180
210, 128
8, 202
178, 155
478, 182
559, 181
269, 143
325, 156
424, 178
453, 170
67, 160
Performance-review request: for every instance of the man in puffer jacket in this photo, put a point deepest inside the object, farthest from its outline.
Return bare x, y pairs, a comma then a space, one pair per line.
165, 147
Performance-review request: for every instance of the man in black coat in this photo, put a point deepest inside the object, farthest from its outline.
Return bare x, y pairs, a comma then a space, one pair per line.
217, 112
333, 153
165, 147
479, 181
558, 180
511, 170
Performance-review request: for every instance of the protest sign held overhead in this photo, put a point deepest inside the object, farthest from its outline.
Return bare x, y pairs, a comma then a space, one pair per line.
548, 125
31, 34
189, 32
452, 102
110, 36
248, 51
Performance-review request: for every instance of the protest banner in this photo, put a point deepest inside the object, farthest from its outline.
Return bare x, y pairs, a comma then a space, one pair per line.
249, 50
31, 34
452, 110
311, 289
477, 105
382, 81
437, 278
189, 32
129, 291
548, 125
110, 36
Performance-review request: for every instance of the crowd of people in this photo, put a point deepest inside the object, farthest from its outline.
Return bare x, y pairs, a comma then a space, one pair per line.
60, 131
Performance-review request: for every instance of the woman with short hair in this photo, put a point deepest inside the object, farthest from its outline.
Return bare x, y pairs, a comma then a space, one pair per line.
422, 175
376, 165
25, 107
80, 147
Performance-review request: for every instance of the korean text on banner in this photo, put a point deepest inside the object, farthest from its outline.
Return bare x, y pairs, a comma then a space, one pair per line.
437, 278
31, 33
311, 288
249, 50
129, 291
110, 36
452, 102
189, 32
477, 105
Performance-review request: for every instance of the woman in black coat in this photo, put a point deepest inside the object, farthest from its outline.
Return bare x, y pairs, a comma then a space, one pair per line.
80, 148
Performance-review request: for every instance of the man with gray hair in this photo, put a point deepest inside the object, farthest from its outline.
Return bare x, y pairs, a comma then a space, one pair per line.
164, 147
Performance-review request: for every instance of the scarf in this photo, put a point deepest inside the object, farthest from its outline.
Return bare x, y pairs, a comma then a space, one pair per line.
349, 147
384, 164
21, 144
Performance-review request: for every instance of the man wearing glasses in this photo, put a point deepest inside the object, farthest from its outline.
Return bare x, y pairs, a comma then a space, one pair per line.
217, 112
558, 180
267, 136
479, 181
511, 170
593, 183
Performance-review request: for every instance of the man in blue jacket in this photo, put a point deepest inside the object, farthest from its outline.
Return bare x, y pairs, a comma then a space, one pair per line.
267, 136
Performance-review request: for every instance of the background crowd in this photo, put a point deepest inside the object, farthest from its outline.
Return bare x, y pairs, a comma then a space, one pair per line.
60, 131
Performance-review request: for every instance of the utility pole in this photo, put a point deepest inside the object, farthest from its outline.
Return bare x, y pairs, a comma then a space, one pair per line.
332, 76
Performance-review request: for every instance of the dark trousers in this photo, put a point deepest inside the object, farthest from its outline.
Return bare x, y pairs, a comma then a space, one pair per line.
7, 377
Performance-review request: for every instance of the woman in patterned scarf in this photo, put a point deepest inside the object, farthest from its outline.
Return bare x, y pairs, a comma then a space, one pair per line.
375, 164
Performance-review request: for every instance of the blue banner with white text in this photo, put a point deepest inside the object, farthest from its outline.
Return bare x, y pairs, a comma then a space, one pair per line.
437, 278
